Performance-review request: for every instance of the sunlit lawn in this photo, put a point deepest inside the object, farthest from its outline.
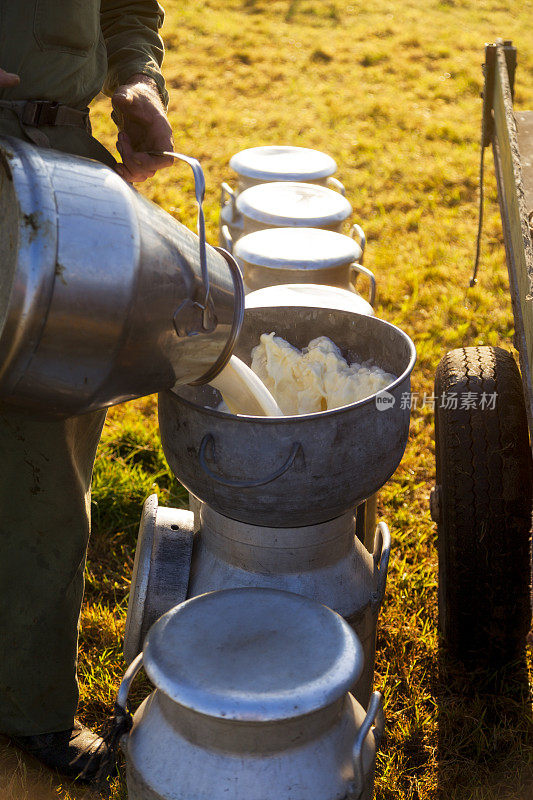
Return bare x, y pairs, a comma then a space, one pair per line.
391, 91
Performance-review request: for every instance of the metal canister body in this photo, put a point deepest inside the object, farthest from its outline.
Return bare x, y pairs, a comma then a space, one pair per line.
285, 205
100, 287
292, 255
291, 205
325, 562
175, 755
182, 554
251, 702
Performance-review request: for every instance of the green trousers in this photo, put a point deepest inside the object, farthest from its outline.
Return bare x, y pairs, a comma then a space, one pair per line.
45, 478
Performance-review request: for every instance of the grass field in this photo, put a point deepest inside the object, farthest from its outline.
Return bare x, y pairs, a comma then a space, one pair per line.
391, 91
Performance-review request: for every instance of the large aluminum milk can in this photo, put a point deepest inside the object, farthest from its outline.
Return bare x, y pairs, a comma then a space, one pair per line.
289, 205
251, 702
182, 555
302, 255
273, 163
103, 296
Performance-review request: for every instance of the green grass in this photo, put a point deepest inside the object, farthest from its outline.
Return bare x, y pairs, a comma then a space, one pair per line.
391, 91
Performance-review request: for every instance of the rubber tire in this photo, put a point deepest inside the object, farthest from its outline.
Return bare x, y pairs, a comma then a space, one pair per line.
484, 479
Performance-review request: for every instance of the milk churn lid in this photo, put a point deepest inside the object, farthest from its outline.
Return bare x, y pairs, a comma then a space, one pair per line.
283, 163
293, 205
252, 654
313, 295
297, 248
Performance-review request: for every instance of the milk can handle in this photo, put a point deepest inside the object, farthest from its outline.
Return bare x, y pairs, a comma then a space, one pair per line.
209, 322
127, 680
227, 193
382, 544
227, 238
374, 721
360, 270
209, 441
334, 183
358, 231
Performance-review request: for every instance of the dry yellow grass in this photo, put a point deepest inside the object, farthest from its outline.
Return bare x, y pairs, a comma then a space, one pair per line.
391, 91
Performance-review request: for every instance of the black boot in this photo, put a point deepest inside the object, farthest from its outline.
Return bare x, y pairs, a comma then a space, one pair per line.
68, 752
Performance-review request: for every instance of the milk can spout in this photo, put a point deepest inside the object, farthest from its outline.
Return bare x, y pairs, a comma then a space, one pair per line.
105, 297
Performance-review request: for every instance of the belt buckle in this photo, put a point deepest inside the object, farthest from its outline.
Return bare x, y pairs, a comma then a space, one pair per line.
39, 112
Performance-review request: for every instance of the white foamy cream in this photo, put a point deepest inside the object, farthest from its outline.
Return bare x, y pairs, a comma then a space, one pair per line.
317, 378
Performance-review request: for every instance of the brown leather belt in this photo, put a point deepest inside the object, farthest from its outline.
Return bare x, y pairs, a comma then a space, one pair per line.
34, 114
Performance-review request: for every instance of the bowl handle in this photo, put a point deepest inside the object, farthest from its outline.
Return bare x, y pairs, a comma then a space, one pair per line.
334, 183
374, 721
358, 269
209, 441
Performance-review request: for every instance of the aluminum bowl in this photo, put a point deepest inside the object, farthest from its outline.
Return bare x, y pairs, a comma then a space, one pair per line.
293, 470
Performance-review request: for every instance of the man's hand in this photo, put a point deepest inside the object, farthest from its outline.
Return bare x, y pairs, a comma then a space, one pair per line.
143, 128
8, 79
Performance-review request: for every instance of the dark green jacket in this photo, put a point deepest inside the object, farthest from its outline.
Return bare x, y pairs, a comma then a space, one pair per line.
69, 50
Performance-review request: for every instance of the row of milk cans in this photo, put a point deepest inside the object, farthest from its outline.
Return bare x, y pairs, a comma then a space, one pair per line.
286, 223
254, 696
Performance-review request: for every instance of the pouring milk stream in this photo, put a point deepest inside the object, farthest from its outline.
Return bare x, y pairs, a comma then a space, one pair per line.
243, 392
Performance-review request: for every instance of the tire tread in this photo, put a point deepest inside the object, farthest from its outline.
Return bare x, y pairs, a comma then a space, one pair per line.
485, 473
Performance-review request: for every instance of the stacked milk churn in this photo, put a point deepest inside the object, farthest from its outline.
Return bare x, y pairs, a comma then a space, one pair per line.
254, 614
284, 223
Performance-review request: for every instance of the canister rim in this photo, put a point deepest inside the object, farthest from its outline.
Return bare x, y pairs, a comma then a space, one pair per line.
176, 394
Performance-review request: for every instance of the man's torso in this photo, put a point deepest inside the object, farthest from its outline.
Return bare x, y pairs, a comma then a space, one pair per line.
56, 47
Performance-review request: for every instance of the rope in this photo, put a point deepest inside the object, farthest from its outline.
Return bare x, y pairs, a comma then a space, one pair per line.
473, 279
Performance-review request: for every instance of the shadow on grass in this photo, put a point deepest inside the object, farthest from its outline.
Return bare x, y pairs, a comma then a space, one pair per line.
484, 724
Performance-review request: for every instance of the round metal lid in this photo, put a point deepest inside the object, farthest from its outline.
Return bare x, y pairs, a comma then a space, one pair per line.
283, 163
293, 205
252, 655
313, 295
297, 248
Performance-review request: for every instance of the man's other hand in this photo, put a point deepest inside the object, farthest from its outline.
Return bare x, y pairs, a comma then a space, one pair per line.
143, 128
8, 79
